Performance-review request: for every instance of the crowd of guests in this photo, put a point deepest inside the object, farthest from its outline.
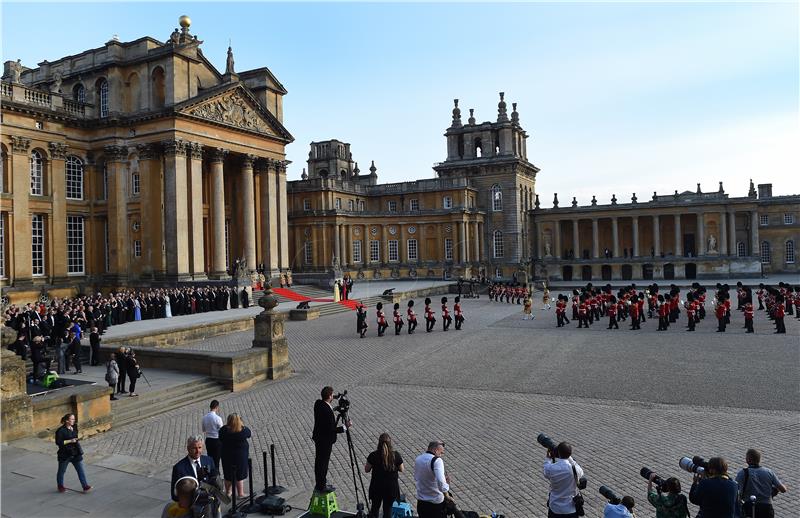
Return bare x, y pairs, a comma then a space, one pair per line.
60, 324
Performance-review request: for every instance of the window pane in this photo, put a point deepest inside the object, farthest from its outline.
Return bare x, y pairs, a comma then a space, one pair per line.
357, 251
448, 249
394, 254
412, 249
790, 252
75, 246
37, 244
37, 183
374, 251
74, 170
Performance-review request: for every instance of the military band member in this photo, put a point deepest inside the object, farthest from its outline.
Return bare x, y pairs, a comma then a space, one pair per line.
412, 317
748, 315
634, 312
361, 320
612, 313
446, 318
527, 304
583, 320
691, 309
430, 319
458, 313
780, 312
381, 316
720, 312
398, 320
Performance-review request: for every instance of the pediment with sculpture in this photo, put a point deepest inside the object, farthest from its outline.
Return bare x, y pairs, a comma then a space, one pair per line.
232, 109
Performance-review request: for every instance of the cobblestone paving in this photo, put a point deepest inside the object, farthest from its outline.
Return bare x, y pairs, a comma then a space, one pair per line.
625, 399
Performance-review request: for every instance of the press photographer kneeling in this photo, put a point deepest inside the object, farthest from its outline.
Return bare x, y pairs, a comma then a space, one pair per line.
566, 480
617, 507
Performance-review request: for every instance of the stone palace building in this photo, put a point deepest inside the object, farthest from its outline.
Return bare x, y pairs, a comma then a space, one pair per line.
139, 162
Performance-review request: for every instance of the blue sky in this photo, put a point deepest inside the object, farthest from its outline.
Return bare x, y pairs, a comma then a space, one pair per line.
617, 97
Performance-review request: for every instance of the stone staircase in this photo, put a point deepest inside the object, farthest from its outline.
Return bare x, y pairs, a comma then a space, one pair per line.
128, 410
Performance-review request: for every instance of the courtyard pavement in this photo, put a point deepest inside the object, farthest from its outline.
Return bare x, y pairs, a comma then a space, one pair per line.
625, 399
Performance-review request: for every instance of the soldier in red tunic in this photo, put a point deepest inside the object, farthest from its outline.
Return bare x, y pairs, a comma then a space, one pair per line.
720, 312
430, 320
634, 311
412, 317
611, 310
446, 318
398, 320
691, 308
582, 311
382, 325
459, 314
748, 315
780, 312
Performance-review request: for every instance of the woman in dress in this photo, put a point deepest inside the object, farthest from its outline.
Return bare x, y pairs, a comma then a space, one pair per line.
137, 309
167, 306
385, 464
69, 452
235, 451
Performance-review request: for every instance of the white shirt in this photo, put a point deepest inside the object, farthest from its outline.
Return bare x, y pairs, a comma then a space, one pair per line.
195, 463
211, 425
616, 511
431, 484
562, 484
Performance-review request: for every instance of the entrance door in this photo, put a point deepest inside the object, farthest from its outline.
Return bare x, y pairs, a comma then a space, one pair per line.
586, 273
691, 271
606, 272
669, 271
566, 273
688, 245
627, 272
647, 271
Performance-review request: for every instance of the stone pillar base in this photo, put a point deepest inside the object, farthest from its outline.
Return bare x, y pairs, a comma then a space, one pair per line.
219, 276
268, 332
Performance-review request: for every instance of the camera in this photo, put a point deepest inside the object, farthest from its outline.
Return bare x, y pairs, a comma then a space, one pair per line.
344, 403
658, 481
546, 441
610, 495
694, 465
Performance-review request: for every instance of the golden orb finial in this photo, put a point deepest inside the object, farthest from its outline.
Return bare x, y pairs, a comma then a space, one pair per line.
184, 21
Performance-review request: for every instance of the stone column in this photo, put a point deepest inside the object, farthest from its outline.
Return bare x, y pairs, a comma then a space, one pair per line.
595, 239
755, 245
248, 203
20, 226
152, 231
283, 216
732, 249
176, 210
576, 240
462, 229
723, 234
678, 236
476, 244
539, 241
701, 234
269, 215
56, 248
635, 229
657, 235
337, 243
218, 267
557, 239
343, 258
197, 245
615, 236
118, 243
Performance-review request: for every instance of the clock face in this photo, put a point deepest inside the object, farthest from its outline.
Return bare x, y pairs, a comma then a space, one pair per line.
374, 231
357, 231
393, 230
412, 229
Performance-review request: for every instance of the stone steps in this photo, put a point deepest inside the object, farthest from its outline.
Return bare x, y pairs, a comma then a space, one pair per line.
128, 410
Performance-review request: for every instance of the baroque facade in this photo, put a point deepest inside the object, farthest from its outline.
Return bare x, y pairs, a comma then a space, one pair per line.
688, 235
139, 162
470, 219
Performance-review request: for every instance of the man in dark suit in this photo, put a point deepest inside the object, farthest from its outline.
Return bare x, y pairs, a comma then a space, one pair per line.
195, 464
324, 436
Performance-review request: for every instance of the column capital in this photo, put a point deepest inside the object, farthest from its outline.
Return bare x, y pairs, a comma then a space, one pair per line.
261, 166
58, 151
115, 153
175, 147
218, 154
248, 160
148, 151
281, 166
20, 145
195, 150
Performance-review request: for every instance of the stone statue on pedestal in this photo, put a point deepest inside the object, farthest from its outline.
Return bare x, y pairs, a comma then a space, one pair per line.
712, 243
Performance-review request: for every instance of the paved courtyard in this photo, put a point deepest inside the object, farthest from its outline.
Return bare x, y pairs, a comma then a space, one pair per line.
625, 399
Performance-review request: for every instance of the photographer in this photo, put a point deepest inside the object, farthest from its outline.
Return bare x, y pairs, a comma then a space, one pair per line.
563, 474
324, 436
673, 504
624, 509
756, 480
714, 492
195, 465
432, 483
185, 489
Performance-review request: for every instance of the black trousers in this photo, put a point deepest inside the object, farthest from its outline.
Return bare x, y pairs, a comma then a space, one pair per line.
762, 511
386, 500
430, 510
214, 449
321, 459
121, 381
551, 514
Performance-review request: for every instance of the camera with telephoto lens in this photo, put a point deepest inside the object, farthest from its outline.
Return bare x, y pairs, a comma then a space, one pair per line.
546, 441
344, 403
657, 481
610, 495
694, 465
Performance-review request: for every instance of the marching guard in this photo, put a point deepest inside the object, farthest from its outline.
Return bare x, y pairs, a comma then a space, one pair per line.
412, 317
446, 318
430, 319
459, 314
382, 325
398, 320
361, 320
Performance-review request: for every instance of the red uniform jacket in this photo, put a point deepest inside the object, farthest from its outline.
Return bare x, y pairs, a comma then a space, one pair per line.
397, 317
381, 317
445, 311
748, 311
457, 309
412, 317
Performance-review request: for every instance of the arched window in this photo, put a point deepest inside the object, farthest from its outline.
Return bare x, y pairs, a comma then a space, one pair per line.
37, 173
497, 198
102, 92
497, 239
132, 95
741, 249
789, 249
158, 88
79, 93
74, 169
766, 253
478, 147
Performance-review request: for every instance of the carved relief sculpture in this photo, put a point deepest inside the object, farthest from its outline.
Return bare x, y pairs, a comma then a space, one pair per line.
234, 110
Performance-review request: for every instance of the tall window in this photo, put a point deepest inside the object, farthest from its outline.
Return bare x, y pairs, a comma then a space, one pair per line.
394, 251
789, 252
414, 204
497, 198
448, 249
392, 206
103, 98
741, 249
79, 93
37, 174
788, 219
361, 206
75, 249
2, 246
37, 244
374, 251
447, 202
338, 204
136, 183
766, 253
308, 253
357, 251
763, 220
497, 239
413, 253
74, 169
137, 248
350, 205
306, 205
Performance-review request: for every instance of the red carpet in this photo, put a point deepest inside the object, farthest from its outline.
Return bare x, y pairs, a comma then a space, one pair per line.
352, 304
293, 295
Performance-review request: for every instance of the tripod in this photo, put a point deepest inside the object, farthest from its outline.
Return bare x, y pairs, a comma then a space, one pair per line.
352, 452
